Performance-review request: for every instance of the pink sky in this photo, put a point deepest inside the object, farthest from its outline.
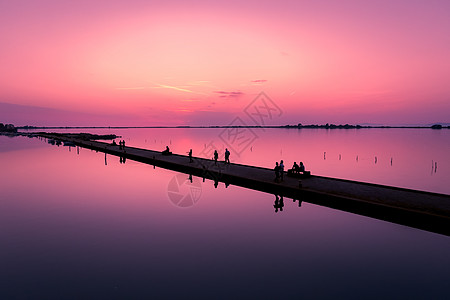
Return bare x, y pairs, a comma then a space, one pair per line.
200, 63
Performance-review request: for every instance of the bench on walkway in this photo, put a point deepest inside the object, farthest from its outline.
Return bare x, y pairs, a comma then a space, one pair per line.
293, 173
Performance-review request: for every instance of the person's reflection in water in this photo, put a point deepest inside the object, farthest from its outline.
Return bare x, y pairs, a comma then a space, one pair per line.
216, 183
279, 203
299, 202
226, 184
190, 178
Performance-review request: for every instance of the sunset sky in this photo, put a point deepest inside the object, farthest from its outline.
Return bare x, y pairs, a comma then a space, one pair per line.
184, 62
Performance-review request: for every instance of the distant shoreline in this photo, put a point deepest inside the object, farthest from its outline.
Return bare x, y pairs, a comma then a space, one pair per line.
326, 126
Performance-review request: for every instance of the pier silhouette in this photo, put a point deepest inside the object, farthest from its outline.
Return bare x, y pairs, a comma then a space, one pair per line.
418, 209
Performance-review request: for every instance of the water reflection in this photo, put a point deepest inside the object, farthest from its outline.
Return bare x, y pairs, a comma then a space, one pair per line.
120, 239
279, 203
299, 202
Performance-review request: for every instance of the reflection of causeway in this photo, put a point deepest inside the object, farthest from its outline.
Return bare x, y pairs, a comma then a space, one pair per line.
423, 210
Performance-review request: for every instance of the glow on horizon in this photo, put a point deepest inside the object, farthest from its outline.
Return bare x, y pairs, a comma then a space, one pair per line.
180, 63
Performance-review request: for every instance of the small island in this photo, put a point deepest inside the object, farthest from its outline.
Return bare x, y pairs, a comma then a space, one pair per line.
7, 128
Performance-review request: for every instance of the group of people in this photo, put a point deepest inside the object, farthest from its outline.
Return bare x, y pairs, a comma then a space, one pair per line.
298, 168
227, 156
279, 170
279, 167
215, 157
121, 144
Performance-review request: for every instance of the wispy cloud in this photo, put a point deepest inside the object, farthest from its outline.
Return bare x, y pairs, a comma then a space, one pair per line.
225, 94
185, 110
259, 81
163, 86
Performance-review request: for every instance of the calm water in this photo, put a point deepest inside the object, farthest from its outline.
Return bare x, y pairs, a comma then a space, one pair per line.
74, 225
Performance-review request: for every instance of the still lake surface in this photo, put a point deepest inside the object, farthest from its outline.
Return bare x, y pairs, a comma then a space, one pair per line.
75, 224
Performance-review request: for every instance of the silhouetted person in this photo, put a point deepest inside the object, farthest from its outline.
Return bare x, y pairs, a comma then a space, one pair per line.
216, 157
295, 168
190, 178
114, 143
190, 156
277, 172
216, 183
281, 170
302, 167
167, 151
227, 156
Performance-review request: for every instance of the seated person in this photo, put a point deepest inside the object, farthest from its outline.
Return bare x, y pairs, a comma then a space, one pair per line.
167, 151
301, 168
299, 171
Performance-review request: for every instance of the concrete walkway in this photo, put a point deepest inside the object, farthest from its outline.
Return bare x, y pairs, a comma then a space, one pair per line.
424, 210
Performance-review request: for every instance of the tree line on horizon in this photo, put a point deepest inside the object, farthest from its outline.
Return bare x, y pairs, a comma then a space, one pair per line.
7, 128
12, 128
